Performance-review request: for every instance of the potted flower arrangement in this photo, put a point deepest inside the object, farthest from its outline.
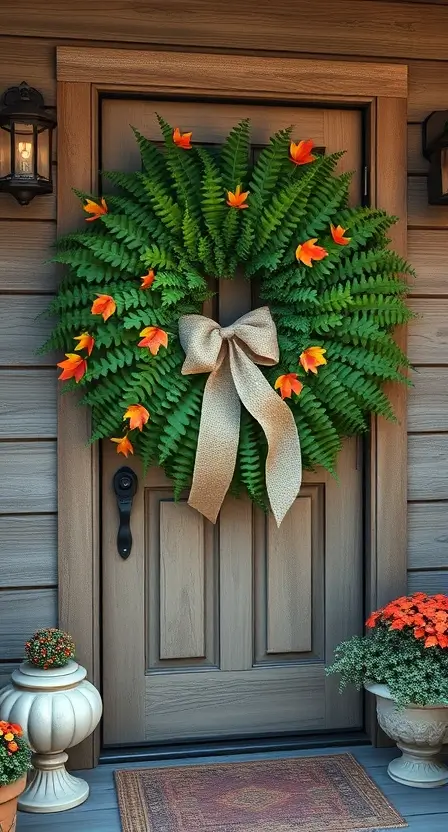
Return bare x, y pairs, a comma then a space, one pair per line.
15, 762
403, 661
58, 708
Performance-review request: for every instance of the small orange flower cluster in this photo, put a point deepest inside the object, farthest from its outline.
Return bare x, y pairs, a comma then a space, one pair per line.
310, 359
427, 615
9, 731
50, 648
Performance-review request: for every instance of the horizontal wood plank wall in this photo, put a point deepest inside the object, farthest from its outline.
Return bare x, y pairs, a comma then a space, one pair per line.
406, 32
28, 492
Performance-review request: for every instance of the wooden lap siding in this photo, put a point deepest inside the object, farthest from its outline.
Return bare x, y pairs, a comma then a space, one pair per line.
416, 34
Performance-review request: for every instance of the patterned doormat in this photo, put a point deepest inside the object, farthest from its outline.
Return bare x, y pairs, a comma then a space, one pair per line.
331, 793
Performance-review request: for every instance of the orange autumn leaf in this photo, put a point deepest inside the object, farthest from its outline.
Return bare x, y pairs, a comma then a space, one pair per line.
288, 384
153, 338
16, 729
312, 358
307, 252
74, 367
86, 342
431, 641
182, 140
300, 153
443, 640
237, 199
104, 305
148, 279
337, 232
137, 415
97, 209
124, 446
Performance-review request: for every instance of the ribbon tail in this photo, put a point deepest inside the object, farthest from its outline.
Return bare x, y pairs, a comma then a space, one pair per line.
284, 458
217, 443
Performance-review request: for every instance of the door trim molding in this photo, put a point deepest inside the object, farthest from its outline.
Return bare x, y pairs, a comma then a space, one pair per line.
84, 73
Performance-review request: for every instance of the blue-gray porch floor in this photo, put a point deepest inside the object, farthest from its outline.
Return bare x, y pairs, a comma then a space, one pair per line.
426, 810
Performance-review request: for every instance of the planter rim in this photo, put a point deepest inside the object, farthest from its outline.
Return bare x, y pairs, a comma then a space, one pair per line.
28, 676
11, 790
383, 690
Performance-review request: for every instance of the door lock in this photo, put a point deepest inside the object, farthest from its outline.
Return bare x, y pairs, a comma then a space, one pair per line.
125, 484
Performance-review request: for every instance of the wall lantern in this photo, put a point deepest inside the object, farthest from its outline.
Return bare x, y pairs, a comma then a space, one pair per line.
435, 149
26, 129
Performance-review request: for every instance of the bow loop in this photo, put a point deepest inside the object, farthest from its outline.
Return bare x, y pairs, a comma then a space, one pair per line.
230, 354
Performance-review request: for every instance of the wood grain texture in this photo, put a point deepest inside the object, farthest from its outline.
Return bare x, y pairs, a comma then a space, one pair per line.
428, 253
182, 582
289, 575
420, 213
428, 467
186, 72
428, 400
26, 250
28, 550
378, 29
21, 613
24, 330
277, 699
388, 506
430, 582
78, 473
427, 535
25, 59
417, 164
428, 331
28, 404
236, 608
428, 89
28, 481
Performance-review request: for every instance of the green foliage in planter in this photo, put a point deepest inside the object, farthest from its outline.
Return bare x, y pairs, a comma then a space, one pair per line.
414, 673
49, 648
15, 754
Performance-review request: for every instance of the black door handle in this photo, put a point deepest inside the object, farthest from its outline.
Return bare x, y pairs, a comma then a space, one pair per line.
125, 486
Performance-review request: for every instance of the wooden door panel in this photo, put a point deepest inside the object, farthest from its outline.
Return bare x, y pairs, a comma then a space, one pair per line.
211, 631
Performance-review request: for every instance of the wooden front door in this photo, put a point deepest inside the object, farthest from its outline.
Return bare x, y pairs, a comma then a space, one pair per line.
220, 631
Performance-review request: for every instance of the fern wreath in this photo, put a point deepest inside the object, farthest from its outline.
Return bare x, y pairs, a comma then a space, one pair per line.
333, 287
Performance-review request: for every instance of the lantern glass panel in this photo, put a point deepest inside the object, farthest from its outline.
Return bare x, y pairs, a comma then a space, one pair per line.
24, 151
44, 154
5, 152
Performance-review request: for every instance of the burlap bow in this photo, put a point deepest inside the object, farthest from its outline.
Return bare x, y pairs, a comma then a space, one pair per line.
230, 354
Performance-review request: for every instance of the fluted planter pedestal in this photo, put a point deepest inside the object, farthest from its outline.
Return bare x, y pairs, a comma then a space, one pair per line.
419, 732
57, 709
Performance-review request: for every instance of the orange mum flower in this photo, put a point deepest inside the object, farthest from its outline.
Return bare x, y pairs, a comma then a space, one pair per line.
86, 342
300, 153
338, 235
97, 209
153, 338
288, 384
104, 305
307, 252
148, 279
16, 729
237, 199
12, 746
182, 140
312, 358
74, 367
137, 415
124, 446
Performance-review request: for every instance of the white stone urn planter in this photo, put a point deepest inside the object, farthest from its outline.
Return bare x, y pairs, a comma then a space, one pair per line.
57, 709
419, 732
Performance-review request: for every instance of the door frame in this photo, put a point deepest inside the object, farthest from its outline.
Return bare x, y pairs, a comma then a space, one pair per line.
83, 75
